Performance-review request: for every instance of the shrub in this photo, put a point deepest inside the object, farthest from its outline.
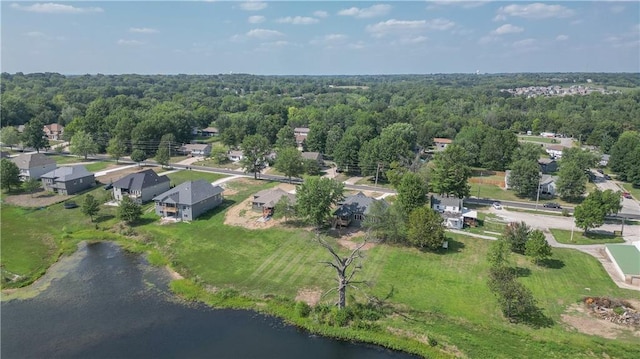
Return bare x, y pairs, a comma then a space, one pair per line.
302, 309
341, 317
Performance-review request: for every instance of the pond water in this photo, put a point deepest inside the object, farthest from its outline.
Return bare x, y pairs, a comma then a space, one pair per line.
103, 302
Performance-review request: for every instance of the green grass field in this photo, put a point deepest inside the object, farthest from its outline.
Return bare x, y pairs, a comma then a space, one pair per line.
564, 236
495, 192
185, 175
62, 160
98, 166
537, 139
440, 295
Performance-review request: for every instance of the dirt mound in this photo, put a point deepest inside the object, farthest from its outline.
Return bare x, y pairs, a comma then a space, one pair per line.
613, 310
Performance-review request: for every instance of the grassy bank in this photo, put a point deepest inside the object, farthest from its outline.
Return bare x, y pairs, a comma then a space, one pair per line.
437, 304
564, 236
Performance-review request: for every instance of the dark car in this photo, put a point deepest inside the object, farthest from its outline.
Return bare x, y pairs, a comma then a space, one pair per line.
552, 205
607, 177
600, 171
70, 205
108, 186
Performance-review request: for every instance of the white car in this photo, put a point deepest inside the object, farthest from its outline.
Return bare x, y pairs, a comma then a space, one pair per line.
497, 205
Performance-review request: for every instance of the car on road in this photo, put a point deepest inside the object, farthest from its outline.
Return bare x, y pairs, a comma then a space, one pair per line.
600, 171
552, 205
626, 195
607, 177
497, 205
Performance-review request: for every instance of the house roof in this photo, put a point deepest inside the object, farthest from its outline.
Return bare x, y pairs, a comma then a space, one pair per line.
547, 179
301, 129
26, 161
546, 161
442, 140
446, 201
269, 197
54, 127
312, 156
627, 257
68, 173
555, 147
196, 146
210, 129
140, 180
236, 153
358, 203
189, 193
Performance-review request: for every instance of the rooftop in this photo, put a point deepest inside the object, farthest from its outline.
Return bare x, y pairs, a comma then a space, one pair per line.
627, 256
139, 180
67, 173
30, 160
190, 192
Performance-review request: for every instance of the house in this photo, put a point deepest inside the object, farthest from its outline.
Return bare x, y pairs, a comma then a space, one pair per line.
266, 200
302, 131
33, 165
235, 156
20, 128
68, 180
353, 210
300, 139
626, 261
316, 156
604, 161
454, 215
141, 186
53, 131
196, 149
555, 151
209, 132
547, 165
441, 143
547, 185
188, 200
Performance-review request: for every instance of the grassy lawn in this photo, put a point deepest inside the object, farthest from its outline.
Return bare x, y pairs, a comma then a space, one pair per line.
61, 160
440, 295
495, 192
185, 175
371, 181
211, 163
635, 192
98, 166
533, 211
537, 139
176, 159
564, 236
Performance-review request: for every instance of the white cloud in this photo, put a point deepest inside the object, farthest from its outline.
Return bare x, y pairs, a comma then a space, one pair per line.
365, 13
533, 11
320, 13
507, 29
143, 30
256, 19
52, 8
414, 40
124, 42
524, 44
330, 40
273, 45
487, 39
264, 33
35, 34
253, 5
297, 20
616, 9
440, 24
396, 26
562, 37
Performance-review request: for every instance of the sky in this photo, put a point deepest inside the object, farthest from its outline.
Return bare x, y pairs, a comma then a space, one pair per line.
319, 38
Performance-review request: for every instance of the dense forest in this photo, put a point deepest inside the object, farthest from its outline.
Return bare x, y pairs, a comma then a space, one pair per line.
359, 121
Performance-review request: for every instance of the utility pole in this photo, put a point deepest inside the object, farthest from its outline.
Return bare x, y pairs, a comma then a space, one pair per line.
538, 195
377, 171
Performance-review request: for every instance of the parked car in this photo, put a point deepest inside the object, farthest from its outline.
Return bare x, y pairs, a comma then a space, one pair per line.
497, 205
600, 171
626, 195
70, 205
108, 186
607, 177
552, 205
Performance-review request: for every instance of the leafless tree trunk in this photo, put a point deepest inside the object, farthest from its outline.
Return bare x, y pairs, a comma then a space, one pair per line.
344, 269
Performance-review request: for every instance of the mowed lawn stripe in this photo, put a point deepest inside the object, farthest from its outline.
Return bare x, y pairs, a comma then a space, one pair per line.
276, 268
267, 262
310, 266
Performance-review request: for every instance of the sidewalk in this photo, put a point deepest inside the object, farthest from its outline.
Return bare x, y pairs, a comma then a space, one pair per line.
102, 173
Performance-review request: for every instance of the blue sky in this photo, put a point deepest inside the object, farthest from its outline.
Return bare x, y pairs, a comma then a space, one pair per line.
319, 38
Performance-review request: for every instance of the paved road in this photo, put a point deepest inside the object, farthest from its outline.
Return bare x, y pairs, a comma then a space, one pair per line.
629, 206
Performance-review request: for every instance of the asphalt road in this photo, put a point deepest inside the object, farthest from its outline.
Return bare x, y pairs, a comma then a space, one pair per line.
629, 206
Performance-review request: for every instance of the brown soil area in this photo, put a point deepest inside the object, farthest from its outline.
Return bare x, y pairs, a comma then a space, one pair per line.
310, 296
579, 319
244, 216
37, 199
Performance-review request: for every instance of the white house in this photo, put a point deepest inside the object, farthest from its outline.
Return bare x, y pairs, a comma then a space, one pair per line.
454, 215
441, 143
235, 156
197, 149
548, 185
555, 151
33, 165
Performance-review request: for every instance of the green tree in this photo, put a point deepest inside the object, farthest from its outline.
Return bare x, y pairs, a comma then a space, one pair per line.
537, 247
284, 208
9, 174
412, 192
285, 138
572, 181
163, 155
425, 229
31, 185
499, 254
116, 148
315, 198
527, 151
311, 167
450, 172
386, 222
346, 152
33, 135
90, 206
624, 154
219, 155
497, 149
9, 136
289, 161
255, 149
333, 138
524, 177
589, 214
138, 156
82, 144
516, 301
583, 159
128, 210
516, 234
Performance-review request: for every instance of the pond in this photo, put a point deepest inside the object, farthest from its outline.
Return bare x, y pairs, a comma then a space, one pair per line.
103, 302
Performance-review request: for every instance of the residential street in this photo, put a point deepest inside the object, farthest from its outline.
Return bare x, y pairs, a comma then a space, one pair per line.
629, 206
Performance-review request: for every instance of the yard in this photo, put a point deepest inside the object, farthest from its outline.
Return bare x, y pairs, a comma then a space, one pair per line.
440, 295
186, 175
564, 236
539, 139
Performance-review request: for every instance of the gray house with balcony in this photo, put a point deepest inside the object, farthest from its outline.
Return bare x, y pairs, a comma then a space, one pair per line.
141, 186
68, 180
188, 200
353, 210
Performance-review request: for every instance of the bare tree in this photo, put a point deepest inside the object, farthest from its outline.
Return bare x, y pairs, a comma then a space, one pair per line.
345, 269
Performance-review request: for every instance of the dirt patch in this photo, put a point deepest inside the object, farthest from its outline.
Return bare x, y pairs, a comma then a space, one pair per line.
579, 319
310, 296
37, 199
